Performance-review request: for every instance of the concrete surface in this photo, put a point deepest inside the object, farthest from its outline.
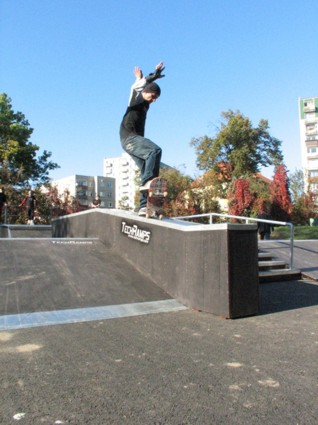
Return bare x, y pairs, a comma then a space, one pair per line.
170, 368
51, 274
177, 367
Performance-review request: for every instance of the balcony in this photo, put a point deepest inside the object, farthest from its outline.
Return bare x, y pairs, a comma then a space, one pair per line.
311, 130
309, 107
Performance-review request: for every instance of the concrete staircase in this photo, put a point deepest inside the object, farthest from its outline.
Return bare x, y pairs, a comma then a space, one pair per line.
272, 270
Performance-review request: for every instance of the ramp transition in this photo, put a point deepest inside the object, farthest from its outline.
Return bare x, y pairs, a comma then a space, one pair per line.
67, 280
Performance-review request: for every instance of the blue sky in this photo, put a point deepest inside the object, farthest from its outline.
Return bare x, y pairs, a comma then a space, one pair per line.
67, 65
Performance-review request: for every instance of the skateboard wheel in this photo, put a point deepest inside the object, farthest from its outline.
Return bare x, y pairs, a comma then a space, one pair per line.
165, 194
150, 194
160, 217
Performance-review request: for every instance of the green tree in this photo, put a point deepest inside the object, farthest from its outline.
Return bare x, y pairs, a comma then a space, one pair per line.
19, 164
181, 200
297, 185
207, 190
123, 203
304, 208
238, 148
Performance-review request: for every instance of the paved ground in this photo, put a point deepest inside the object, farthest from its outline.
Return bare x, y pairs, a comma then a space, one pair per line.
174, 367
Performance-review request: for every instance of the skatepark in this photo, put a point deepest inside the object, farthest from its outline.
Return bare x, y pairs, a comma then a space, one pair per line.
100, 326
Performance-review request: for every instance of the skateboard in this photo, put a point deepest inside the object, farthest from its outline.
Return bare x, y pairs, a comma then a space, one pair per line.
157, 198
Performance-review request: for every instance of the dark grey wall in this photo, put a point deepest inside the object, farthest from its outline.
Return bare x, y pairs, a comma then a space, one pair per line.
213, 268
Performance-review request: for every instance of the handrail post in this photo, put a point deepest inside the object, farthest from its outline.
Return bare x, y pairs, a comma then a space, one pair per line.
291, 245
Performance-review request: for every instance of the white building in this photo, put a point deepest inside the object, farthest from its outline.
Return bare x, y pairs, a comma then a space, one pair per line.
124, 170
308, 123
85, 189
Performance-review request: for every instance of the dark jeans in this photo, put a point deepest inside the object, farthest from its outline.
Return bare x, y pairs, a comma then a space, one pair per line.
147, 156
30, 212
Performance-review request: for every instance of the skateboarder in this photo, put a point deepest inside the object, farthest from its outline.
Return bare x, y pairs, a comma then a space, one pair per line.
145, 153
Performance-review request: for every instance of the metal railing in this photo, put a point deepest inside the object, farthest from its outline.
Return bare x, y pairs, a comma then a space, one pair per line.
247, 221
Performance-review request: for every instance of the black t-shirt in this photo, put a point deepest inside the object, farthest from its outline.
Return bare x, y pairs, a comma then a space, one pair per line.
134, 119
30, 201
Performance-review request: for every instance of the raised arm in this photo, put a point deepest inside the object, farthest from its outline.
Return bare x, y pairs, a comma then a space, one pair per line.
157, 74
138, 73
142, 81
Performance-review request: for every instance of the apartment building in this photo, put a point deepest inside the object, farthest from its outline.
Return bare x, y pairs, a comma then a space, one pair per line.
125, 172
308, 123
85, 189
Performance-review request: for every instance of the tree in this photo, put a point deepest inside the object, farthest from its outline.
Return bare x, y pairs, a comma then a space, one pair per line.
304, 208
123, 203
179, 191
19, 164
239, 145
241, 198
297, 185
281, 207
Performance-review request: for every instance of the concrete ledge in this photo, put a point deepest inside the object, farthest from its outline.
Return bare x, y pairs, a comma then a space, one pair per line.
213, 268
26, 231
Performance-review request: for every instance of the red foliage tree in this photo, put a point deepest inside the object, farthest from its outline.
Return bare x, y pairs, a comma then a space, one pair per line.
241, 198
281, 205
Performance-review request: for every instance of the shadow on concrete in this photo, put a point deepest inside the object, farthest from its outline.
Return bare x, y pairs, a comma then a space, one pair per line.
290, 295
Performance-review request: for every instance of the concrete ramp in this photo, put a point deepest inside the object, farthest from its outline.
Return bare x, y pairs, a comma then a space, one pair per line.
213, 268
45, 275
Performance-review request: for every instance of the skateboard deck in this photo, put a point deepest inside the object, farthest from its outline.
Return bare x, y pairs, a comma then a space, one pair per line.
157, 198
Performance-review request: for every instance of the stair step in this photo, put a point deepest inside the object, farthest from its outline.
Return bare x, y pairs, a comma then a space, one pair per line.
278, 275
270, 265
264, 256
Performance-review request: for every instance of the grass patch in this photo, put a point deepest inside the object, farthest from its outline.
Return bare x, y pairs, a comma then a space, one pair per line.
300, 232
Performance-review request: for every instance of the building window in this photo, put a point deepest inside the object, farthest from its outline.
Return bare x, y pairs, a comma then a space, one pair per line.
110, 185
313, 187
312, 150
309, 105
311, 128
312, 173
310, 116
82, 183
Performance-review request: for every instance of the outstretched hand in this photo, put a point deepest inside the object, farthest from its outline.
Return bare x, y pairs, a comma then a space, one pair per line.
138, 73
159, 68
